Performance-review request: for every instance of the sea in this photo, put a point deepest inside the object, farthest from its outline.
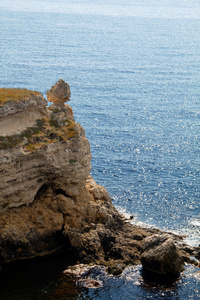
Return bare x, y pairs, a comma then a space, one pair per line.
133, 67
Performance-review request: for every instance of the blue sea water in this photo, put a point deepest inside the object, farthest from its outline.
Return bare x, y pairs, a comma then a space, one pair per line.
134, 70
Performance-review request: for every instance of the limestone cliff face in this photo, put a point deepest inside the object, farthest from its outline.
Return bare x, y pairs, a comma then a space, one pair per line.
49, 159
15, 116
48, 200
47, 197
23, 172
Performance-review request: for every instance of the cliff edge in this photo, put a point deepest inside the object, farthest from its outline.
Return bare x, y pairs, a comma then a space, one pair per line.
48, 200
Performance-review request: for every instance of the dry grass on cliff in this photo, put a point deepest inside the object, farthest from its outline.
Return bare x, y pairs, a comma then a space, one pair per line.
46, 131
8, 95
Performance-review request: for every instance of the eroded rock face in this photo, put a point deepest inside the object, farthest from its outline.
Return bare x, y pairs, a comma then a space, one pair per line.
24, 173
59, 93
48, 149
91, 227
48, 199
18, 115
160, 255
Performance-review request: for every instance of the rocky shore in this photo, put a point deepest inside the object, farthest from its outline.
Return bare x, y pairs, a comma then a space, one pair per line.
49, 201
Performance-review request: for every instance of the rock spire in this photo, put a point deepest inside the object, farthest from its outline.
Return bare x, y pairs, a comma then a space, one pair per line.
59, 93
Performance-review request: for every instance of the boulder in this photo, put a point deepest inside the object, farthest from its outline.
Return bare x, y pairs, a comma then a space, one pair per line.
160, 255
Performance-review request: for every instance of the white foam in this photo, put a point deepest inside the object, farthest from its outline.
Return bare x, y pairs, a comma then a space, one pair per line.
196, 222
191, 232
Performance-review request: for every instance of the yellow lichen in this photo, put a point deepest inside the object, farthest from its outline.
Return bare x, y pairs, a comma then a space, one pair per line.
71, 134
30, 147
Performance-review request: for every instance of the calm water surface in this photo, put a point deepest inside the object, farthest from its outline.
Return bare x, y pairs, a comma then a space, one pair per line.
134, 75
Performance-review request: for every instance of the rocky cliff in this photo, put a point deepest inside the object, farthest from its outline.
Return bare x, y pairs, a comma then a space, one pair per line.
48, 200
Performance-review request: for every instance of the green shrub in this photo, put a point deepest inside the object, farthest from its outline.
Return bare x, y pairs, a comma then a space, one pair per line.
72, 161
53, 123
40, 123
56, 110
7, 142
30, 131
46, 132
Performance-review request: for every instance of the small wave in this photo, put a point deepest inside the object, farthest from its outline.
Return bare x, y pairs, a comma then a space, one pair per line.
135, 219
195, 222
191, 233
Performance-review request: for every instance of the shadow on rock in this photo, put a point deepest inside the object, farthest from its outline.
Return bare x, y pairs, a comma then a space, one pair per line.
157, 281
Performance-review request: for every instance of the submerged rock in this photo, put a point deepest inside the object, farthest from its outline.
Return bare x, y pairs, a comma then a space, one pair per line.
90, 283
88, 275
160, 255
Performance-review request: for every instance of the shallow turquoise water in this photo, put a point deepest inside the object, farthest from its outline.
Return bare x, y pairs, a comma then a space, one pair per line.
134, 75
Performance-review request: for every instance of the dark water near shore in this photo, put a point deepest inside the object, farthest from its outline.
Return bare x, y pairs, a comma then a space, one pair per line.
44, 280
133, 69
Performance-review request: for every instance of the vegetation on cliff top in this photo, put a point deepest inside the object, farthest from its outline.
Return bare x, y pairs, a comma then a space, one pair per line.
46, 131
7, 95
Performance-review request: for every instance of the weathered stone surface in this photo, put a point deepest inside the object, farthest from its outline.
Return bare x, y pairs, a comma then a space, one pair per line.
59, 157
97, 191
13, 107
15, 116
59, 93
24, 173
60, 114
92, 229
160, 255
29, 231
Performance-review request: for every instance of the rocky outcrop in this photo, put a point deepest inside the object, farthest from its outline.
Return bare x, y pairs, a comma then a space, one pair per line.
16, 116
49, 201
59, 93
47, 197
86, 224
160, 255
29, 166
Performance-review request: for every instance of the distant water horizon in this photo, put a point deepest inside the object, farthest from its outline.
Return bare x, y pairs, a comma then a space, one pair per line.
145, 9
133, 70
